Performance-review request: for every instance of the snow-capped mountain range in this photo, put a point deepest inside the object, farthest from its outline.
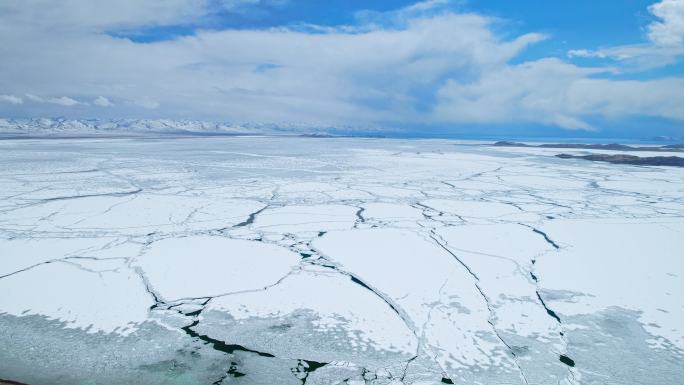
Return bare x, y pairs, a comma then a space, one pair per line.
78, 127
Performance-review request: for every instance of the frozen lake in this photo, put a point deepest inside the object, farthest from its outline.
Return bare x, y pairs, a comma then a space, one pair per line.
275, 260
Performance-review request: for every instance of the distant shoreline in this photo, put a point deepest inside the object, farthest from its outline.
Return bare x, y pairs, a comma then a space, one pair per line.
591, 146
520, 142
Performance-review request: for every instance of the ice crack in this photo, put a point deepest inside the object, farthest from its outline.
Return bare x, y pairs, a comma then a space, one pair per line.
546, 238
251, 218
112, 194
487, 304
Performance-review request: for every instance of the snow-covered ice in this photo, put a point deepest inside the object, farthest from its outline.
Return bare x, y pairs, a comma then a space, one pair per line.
264, 260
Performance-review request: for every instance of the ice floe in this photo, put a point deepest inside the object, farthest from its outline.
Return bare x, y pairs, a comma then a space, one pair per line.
261, 260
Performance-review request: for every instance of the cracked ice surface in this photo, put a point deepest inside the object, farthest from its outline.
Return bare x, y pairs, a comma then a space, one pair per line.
210, 266
335, 261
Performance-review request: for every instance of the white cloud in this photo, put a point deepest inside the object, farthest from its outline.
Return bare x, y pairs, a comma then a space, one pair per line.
669, 31
635, 57
430, 65
74, 16
552, 92
11, 99
532, 92
97, 15
426, 5
35, 98
331, 78
617, 99
666, 41
241, 5
103, 102
586, 53
62, 100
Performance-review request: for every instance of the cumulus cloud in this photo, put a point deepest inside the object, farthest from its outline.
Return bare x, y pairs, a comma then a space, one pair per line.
331, 78
103, 102
62, 100
535, 92
76, 16
670, 30
11, 99
420, 64
666, 41
96, 15
550, 91
35, 98
636, 57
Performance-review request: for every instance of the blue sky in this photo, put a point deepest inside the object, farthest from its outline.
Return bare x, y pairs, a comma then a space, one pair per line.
436, 67
583, 23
